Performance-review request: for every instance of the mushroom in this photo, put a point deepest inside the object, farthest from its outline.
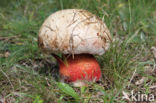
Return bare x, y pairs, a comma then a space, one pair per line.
78, 35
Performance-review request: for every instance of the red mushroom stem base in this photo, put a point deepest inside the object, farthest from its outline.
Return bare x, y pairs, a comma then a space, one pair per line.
83, 67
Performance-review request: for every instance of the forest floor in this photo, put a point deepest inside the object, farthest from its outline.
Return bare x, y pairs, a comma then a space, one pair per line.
128, 68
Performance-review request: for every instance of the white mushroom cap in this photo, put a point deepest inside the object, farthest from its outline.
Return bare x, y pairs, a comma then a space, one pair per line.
74, 31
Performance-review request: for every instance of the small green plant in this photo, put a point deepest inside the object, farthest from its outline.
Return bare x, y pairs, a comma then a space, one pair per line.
68, 90
38, 99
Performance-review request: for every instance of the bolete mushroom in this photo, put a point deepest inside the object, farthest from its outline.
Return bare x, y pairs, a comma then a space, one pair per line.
78, 35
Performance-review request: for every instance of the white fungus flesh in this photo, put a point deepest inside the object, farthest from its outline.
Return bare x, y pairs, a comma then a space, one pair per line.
74, 31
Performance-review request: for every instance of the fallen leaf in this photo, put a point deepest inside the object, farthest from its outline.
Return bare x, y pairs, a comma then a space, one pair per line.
149, 70
152, 87
7, 54
141, 81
